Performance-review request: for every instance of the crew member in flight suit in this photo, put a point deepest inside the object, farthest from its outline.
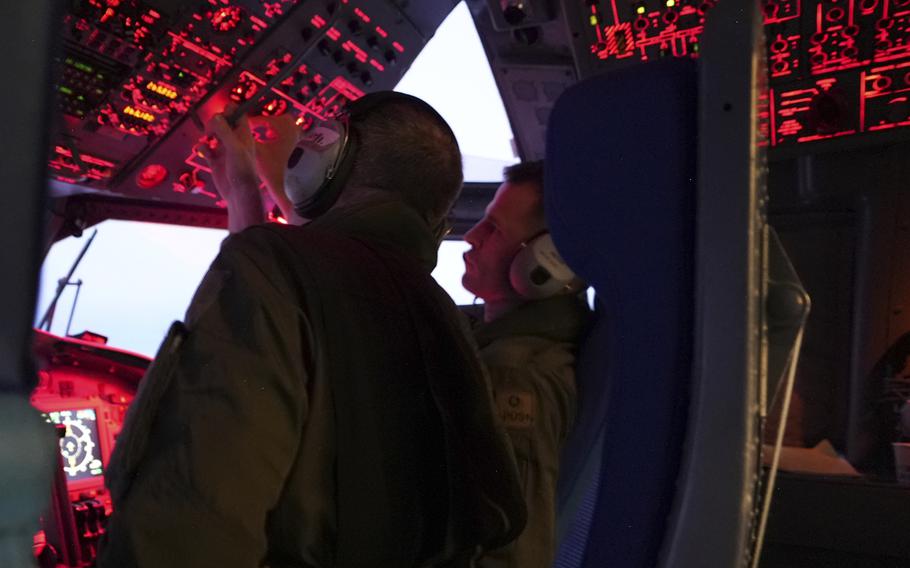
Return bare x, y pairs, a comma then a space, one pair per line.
323, 406
528, 339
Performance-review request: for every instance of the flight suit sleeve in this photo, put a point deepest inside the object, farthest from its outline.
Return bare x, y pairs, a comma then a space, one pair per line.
225, 433
536, 404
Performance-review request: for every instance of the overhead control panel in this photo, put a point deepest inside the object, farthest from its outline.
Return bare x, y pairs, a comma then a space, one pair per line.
137, 80
838, 69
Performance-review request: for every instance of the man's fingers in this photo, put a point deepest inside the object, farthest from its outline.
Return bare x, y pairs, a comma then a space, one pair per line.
243, 124
220, 128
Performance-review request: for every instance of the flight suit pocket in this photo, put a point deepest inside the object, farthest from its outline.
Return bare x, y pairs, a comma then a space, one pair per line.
133, 439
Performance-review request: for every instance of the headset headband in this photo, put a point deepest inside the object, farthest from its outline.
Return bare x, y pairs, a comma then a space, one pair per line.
330, 189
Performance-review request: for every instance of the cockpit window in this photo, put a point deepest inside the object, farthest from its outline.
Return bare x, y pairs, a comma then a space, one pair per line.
136, 278
450, 269
452, 73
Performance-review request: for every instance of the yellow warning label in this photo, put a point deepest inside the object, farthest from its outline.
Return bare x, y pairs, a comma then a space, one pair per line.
517, 409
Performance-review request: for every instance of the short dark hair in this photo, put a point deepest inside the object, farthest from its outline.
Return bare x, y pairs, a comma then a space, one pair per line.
530, 175
525, 172
405, 148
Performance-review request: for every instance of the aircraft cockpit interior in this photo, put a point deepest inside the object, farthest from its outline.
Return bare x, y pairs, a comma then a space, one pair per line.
728, 176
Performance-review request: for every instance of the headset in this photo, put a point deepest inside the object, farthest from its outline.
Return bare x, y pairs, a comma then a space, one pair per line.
538, 271
323, 158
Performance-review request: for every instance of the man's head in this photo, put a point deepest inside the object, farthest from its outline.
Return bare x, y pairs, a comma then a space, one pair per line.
514, 216
405, 147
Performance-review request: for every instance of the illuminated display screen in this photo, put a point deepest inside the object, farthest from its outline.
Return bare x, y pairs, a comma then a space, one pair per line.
79, 448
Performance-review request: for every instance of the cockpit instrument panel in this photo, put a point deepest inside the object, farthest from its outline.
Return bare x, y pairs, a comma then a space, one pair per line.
837, 69
85, 387
138, 79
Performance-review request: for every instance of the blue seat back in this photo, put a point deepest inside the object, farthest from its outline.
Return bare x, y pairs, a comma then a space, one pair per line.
620, 201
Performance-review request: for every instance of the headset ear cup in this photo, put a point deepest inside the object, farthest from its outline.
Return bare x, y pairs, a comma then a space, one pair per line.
312, 166
538, 272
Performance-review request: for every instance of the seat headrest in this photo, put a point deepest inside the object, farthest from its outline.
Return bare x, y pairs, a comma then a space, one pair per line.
617, 144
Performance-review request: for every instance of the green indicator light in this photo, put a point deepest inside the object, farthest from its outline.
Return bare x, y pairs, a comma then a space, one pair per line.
640, 10
65, 90
671, 3
83, 67
80, 97
593, 20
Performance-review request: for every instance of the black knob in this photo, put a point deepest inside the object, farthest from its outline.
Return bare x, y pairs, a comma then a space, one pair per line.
366, 78
373, 42
352, 68
355, 27
306, 34
338, 56
390, 57
323, 47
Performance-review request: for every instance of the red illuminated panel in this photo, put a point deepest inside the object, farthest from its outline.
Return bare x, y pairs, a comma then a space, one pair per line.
670, 31
780, 11
83, 167
821, 111
764, 120
784, 56
885, 92
893, 37
835, 67
618, 41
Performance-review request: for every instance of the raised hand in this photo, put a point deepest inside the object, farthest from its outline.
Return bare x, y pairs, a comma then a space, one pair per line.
232, 160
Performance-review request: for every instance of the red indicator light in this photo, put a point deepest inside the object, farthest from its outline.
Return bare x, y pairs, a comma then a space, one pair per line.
151, 176
362, 15
275, 107
381, 32
377, 65
317, 21
225, 19
334, 34
398, 46
276, 217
